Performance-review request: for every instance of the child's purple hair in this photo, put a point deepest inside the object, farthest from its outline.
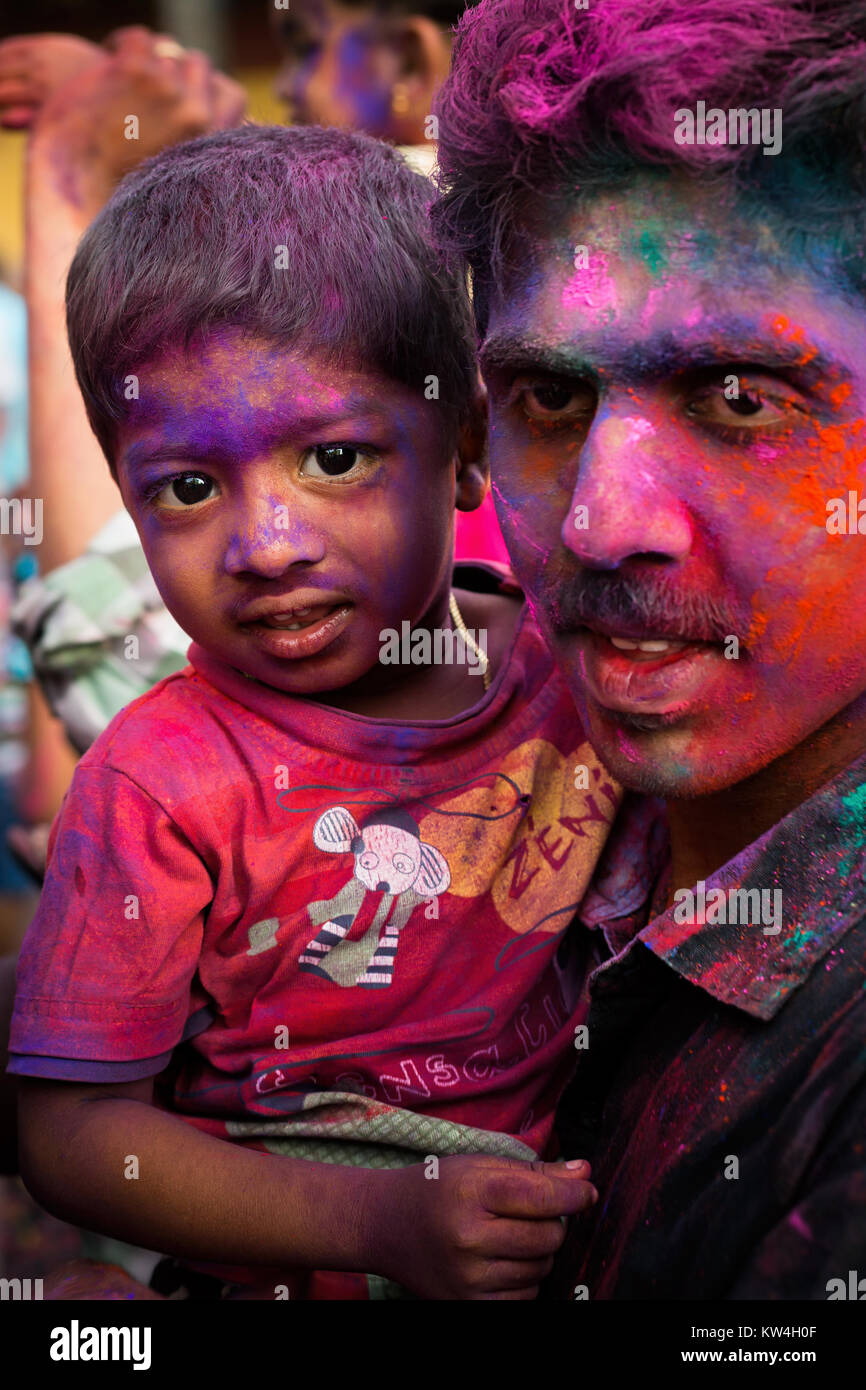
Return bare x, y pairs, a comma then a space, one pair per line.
545, 98
189, 241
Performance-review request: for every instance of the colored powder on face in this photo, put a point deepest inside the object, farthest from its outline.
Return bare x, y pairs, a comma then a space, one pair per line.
840, 394
592, 288
651, 247
842, 446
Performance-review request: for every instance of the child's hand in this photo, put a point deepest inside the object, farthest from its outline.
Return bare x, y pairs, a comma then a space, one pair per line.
134, 100
485, 1228
32, 67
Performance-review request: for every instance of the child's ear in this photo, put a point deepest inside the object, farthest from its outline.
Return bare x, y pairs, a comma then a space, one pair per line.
473, 471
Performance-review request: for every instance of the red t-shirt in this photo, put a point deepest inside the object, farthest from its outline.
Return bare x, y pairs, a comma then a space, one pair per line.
280, 897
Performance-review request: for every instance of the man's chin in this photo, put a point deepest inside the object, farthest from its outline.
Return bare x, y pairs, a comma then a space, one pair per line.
657, 755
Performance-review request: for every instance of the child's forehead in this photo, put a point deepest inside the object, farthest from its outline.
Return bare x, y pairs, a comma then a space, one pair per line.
236, 382
228, 356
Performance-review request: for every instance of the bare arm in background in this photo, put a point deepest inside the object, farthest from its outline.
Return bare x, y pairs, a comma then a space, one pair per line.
76, 153
73, 97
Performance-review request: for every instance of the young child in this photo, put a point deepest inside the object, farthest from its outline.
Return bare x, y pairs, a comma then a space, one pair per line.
307, 895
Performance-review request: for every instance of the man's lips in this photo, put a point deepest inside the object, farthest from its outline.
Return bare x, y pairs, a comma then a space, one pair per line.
649, 673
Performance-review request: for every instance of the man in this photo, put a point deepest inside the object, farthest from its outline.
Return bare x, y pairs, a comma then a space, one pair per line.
669, 295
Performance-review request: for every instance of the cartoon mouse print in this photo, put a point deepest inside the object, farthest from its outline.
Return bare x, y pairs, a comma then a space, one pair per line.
391, 859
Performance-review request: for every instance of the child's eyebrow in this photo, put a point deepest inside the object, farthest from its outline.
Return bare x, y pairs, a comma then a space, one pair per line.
353, 424
142, 453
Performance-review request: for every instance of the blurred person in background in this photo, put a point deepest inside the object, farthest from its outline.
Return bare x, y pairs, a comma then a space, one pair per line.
16, 559
93, 588
366, 66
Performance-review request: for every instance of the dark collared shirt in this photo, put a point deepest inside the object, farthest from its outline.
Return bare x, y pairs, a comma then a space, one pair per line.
722, 1095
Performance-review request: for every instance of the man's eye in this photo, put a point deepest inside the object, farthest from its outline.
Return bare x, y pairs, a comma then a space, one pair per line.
749, 403
555, 400
186, 490
331, 461
741, 406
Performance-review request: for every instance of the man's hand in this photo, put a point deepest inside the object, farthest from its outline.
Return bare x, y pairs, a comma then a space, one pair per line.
137, 96
33, 67
485, 1228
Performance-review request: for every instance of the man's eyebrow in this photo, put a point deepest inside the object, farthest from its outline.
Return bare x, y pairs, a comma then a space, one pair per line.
517, 353
662, 355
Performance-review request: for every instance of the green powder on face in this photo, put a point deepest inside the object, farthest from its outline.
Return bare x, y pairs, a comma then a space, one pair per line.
652, 250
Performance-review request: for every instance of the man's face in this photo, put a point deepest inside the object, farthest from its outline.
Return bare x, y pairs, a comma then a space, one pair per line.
671, 412
289, 509
335, 70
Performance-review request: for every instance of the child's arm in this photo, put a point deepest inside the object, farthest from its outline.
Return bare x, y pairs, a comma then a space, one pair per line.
484, 1228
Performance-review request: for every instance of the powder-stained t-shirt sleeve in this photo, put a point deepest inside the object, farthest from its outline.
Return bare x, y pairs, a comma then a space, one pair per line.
107, 968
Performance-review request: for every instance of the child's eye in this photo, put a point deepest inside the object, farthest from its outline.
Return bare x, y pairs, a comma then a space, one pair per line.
185, 490
331, 461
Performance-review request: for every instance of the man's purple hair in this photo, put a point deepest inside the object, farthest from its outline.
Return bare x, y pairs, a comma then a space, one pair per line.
189, 242
545, 98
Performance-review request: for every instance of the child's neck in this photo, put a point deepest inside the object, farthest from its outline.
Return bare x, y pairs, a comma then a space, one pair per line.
440, 690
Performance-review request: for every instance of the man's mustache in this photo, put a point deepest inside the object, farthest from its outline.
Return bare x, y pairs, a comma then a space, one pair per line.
596, 598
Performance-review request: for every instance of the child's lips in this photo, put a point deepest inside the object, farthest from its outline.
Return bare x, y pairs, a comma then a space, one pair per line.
297, 618
299, 607
292, 637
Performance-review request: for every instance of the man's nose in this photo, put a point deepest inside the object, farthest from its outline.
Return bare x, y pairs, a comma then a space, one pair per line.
623, 506
271, 537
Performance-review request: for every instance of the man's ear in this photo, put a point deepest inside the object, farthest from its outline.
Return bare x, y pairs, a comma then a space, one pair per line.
422, 53
473, 471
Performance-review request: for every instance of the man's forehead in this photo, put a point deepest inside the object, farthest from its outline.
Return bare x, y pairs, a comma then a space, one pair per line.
653, 299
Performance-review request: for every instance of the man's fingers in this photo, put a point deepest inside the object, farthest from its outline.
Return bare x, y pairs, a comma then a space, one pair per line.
194, 72
17, 56
17, 89
132, 38
17, 117
228, 101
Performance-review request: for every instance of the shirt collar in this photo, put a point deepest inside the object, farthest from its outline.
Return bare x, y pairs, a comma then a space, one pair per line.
816, 857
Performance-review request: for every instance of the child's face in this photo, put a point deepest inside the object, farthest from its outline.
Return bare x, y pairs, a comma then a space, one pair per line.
264, 482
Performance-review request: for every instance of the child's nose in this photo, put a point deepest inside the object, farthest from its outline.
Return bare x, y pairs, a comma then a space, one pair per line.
270, 539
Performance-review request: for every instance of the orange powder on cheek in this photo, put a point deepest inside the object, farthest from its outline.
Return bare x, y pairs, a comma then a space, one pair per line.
843, 453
